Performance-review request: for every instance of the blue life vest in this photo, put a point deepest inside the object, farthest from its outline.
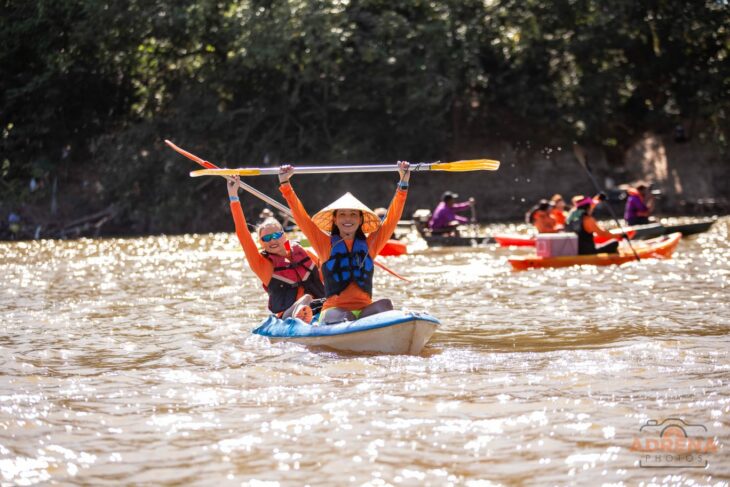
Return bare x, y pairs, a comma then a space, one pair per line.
345, 266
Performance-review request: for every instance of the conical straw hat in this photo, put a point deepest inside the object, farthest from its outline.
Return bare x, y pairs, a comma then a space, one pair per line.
325, 217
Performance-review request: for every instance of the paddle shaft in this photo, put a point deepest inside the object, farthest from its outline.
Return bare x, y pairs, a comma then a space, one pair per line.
580, 155
265, 198
274, 171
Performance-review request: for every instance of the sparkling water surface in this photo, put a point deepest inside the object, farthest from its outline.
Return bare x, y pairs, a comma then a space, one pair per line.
130, 361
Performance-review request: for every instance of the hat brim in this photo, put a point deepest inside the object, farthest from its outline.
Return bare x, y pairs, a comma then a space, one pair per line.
586, 202
324, 218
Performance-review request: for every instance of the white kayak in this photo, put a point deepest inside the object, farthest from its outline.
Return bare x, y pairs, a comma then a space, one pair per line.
396, 332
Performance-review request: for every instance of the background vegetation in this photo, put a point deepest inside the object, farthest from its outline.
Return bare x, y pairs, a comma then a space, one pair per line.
90, 88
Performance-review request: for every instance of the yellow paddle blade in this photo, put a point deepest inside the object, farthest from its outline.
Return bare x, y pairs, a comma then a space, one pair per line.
226, 172
469, 165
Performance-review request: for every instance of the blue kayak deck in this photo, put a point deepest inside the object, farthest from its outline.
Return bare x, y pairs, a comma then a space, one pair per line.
274, 327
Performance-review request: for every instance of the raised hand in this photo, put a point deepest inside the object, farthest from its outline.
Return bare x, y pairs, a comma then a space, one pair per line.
404, 168
234, 184
285, 172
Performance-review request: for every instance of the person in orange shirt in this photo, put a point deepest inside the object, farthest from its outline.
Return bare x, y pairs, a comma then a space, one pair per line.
347, 235
558, 211
581, 221
288, 272
540, 217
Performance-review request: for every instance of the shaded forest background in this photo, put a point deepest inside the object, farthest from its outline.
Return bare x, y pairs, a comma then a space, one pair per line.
91, 88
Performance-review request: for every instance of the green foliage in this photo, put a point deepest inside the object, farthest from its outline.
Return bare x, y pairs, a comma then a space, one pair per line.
95, 83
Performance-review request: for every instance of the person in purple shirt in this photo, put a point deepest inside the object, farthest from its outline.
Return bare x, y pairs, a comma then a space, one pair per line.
639, 205
445, 219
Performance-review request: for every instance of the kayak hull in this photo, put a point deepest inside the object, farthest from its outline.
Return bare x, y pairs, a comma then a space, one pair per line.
691, 228
647, 231
661, 247
393, 248
526, 240
390, 332
515, 240
451, 241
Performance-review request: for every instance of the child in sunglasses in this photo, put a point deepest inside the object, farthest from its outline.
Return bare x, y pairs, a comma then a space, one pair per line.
288, 272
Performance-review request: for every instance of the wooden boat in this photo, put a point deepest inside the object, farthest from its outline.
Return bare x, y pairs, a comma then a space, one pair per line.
390, 332
660, 247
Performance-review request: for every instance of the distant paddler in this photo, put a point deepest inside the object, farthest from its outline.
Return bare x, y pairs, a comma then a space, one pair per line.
581, 221
445, 219
347, 235
288, 272
639, 204
558, 211
541, 217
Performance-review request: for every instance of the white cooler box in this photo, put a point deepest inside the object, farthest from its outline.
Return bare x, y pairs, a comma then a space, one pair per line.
556, 244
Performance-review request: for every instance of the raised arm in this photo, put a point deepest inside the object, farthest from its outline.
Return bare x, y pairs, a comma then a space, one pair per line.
377, 240
259, 264
463, 205
320, 240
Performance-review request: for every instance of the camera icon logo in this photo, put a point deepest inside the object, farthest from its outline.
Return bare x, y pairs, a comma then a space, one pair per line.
673, 443
672, 427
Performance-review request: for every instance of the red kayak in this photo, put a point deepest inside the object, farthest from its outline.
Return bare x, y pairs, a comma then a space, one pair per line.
522, 240
393, 247
514, 240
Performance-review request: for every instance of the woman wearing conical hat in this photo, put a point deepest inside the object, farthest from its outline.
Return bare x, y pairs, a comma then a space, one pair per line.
347, 235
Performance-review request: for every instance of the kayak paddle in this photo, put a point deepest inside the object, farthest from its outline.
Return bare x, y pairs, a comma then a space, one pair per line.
264, 197
456, 166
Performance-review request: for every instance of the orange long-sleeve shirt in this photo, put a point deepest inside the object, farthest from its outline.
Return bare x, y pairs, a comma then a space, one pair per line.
353, 297
260, 265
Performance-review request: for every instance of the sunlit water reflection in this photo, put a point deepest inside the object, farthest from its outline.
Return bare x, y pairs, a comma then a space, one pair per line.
131, 361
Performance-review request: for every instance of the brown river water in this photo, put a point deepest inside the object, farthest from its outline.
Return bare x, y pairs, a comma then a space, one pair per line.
131, 362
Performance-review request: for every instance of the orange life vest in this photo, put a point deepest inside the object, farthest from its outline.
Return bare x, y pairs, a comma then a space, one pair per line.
289, 275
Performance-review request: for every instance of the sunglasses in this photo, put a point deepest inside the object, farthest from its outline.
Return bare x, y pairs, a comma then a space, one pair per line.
272, 236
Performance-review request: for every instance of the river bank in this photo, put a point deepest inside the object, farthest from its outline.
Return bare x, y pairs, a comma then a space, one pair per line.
693, 180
